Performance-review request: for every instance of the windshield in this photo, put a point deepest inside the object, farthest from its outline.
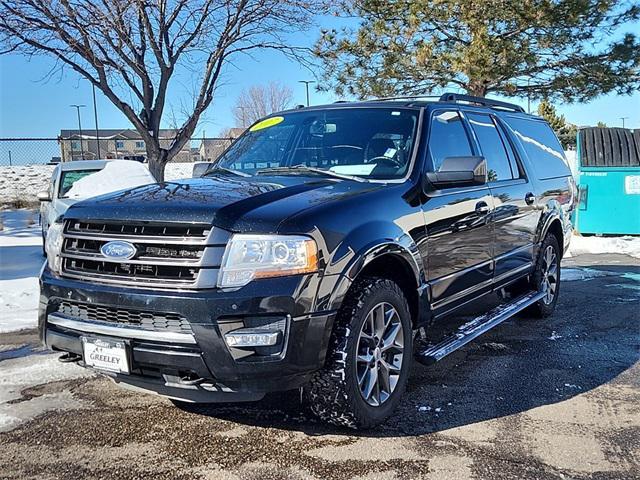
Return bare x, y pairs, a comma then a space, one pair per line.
69, 178
371, 143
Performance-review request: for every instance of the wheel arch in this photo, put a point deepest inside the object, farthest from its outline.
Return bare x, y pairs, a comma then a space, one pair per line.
395, 262
551, 223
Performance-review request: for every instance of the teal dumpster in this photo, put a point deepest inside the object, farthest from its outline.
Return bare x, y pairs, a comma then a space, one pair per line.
608, 182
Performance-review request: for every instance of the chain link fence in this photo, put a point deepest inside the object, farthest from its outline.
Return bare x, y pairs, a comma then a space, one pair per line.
26, 164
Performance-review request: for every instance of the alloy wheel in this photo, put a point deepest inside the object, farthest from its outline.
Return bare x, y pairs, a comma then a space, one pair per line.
550, 279
380, 354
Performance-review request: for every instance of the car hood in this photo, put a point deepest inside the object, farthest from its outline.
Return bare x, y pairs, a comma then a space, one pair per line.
237, 204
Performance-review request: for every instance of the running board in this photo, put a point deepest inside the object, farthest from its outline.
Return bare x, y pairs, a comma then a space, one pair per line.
476, 327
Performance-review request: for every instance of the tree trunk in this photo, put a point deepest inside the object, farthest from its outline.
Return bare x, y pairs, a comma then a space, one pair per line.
477, 88
157, 163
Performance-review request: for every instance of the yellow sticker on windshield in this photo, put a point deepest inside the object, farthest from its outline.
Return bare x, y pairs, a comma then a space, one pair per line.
269, 122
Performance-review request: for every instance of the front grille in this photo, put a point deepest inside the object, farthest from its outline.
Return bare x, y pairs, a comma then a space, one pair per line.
171, 256
171, 322
140, 272
101, 228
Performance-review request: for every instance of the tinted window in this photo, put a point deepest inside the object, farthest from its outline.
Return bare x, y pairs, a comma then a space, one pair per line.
365, 142
448, 138
541, 145
492, 148
516, 167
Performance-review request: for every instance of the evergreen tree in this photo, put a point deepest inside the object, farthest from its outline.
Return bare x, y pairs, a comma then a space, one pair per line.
571, 50
565, 131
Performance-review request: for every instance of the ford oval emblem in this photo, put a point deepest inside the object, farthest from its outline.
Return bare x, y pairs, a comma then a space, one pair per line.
118, 250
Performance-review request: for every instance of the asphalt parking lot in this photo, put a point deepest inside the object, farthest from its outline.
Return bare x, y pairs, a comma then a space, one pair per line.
533, 399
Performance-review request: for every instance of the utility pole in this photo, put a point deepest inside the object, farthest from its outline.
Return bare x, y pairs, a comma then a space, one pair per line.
623, 119
95, 116
9, 157
78, 107
306, 84
528, 95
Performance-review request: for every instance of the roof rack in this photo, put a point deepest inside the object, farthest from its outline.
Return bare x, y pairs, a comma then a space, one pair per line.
456, 97
403, 97
452, 98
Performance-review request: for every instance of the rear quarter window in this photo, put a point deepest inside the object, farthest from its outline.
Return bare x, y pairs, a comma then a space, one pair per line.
541, 146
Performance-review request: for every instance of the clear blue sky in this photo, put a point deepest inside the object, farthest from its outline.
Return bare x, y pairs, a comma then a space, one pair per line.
33, 106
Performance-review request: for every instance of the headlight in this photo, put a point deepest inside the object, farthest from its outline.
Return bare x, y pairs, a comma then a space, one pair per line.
259, 256
53, 246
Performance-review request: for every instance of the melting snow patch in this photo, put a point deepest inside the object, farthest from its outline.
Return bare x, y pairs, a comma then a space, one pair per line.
573, 274
570, 385
19, 374
554, 336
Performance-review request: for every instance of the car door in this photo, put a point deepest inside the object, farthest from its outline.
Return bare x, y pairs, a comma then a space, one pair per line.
515, 215
458, 257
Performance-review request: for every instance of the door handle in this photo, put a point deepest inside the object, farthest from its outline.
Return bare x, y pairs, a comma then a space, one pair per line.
529, 198
482, 208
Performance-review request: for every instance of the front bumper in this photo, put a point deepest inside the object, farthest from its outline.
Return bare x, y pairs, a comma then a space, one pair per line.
164, 361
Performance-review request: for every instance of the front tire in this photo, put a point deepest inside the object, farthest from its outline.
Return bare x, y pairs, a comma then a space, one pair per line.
369, 357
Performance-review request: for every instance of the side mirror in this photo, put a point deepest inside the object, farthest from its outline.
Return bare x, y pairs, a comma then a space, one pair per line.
459, 172
44, 196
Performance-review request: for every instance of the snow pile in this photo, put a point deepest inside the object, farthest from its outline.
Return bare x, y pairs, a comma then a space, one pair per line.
596, 245
20, 262
116, 175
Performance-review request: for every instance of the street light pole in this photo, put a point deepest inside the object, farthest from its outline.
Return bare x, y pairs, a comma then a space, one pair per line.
95, 116
623, 119
78, 107
306, 84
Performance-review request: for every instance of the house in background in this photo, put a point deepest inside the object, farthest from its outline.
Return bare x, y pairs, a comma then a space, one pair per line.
211, 148
114, 143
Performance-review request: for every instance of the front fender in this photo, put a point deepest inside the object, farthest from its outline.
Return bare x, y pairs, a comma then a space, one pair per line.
357, 250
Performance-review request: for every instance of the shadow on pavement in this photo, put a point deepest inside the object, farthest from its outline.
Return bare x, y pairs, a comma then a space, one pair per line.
525, 363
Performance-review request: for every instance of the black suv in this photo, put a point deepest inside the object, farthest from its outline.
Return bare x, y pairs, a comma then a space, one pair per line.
316, 253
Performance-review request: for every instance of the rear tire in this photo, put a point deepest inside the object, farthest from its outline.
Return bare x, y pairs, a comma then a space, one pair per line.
546, 277
369, 358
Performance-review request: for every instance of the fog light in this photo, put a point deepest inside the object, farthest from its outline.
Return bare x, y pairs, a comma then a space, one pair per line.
252, 337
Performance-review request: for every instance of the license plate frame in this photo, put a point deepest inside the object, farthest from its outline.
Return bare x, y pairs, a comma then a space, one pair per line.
106, 354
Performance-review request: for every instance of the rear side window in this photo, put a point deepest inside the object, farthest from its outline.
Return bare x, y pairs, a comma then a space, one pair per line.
448, 138
541, 145
492, 147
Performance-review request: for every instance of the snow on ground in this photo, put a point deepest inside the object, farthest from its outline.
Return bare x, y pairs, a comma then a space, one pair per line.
20, 262
627, 245
18, 374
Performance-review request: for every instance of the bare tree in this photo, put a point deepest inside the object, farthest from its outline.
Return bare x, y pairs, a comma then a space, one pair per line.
261, 100
131, 49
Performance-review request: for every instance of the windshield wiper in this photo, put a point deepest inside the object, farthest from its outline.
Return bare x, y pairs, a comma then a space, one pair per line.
226, 170
305, 168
